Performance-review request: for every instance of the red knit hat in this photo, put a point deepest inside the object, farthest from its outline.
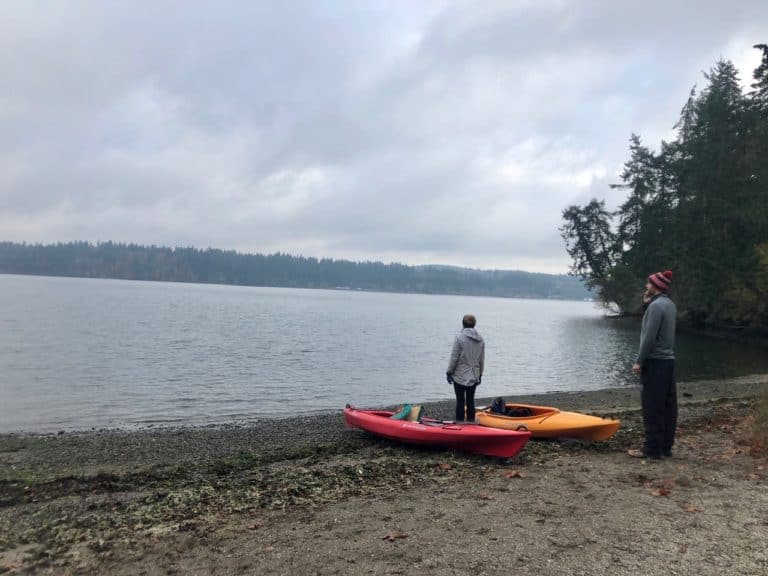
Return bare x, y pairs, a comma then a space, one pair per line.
661, 280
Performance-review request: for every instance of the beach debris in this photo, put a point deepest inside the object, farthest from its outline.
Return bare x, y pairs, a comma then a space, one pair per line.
509, 474
642, 479
661, 491
105, 509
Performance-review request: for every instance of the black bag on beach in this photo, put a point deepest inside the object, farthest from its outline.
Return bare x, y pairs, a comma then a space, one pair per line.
519, 412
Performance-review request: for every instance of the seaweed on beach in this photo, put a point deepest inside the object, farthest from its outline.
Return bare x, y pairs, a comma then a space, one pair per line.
56, 514
154, 503
103, 508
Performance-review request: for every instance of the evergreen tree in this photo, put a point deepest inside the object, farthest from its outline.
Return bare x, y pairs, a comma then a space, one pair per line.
590, 242
717, 251
699, 207
760, 85
637, 229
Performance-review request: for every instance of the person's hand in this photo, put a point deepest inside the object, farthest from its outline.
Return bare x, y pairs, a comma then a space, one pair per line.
479, 378
449, 377
636, 368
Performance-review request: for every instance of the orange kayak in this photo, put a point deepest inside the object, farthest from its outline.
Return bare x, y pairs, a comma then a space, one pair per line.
548, 422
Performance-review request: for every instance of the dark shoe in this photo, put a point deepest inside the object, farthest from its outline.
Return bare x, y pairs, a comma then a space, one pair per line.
668, 454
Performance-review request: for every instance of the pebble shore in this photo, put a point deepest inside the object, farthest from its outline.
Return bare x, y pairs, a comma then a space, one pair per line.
119, 450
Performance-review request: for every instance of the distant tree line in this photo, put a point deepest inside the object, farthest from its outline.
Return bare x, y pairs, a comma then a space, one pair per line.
698, 206
135, 262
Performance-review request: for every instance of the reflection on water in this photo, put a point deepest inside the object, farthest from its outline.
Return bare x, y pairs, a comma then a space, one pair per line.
78, 353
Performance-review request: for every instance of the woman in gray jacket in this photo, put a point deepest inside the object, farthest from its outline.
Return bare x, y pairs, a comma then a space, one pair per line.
465, 368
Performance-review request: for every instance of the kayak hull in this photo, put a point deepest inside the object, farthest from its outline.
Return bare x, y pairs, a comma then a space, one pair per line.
464, 436
548, 422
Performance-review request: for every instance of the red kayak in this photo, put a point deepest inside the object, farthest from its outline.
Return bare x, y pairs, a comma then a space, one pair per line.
464, 436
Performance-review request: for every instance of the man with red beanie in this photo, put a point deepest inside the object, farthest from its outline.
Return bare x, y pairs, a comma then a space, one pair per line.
655, 363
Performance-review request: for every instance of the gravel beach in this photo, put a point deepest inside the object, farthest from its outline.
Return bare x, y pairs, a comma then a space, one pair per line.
305, 495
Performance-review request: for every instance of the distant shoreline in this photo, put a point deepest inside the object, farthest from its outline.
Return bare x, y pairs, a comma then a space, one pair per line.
215, 266
327, 288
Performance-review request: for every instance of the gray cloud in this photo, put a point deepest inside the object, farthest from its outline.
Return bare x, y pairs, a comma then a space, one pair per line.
413, 131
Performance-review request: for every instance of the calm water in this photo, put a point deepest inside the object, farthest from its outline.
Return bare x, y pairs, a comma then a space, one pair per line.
78, 353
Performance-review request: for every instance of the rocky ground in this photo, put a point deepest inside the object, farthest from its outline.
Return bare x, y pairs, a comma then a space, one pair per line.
307, 496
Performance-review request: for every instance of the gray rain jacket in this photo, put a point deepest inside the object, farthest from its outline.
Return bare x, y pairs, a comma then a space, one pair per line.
467, 357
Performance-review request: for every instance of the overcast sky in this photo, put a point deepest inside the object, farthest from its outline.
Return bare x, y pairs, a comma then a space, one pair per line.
413, 131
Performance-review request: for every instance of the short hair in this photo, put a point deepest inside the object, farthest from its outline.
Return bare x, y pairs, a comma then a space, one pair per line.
469, 321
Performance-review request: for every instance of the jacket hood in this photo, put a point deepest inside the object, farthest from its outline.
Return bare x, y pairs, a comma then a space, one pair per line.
472, 333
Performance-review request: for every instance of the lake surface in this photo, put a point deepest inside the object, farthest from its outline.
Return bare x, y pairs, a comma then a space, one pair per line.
82, 353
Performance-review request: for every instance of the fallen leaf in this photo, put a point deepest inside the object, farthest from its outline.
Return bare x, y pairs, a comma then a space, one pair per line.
444, 466
512, 474
255, 526
691, 508
486, 497
753, 477
642, 479
661, 491
392, 536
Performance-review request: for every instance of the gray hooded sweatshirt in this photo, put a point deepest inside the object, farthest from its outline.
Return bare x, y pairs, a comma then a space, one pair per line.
467, 357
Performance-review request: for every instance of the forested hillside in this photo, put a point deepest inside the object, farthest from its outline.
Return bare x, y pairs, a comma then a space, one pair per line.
129, 261
698, 206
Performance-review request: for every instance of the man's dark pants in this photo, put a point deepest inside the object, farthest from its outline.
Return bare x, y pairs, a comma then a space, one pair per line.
659, 401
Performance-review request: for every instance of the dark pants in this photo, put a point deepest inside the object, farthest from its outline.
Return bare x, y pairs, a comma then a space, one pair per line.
659, 401
465, 395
